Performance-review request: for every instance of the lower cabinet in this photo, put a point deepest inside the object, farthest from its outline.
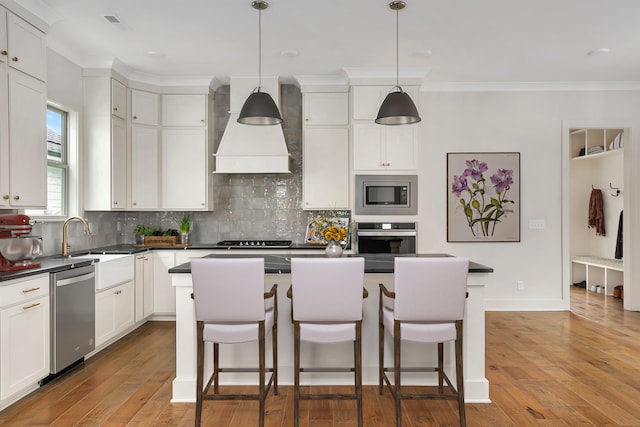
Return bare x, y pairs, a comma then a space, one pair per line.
144, 286
114, 311
24, 334
164, 295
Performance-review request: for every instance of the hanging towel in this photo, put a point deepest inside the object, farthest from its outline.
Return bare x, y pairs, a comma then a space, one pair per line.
596, 212
619, 239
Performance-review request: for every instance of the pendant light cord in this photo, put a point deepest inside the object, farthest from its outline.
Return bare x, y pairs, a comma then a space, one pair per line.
397, 49
259, 49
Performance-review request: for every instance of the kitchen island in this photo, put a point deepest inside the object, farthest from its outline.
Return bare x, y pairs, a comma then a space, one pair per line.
378, 269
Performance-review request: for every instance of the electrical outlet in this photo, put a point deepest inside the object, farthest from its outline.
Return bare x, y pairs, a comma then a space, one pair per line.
536, 224
520, 285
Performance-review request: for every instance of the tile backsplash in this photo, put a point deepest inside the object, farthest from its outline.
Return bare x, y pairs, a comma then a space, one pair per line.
260, 206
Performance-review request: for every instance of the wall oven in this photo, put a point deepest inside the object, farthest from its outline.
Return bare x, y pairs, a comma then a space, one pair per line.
386, 194
386, 238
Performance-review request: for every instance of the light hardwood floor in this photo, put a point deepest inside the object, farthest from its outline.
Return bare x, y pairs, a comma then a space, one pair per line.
545, 369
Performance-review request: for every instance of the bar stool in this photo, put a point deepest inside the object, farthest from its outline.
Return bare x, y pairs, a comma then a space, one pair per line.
327, 296
229, 302
428, 307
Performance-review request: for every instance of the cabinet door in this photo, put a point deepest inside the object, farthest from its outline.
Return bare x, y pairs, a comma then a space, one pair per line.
368, 146
27, 47
27, 136
118, 164
185, 180
184, 110
401, 151
144, 168
164, 296
144, 107
5, 199
105, 316
326, 108
24, 345
366, 101
144, 286
326, 168
118, 99
124, 307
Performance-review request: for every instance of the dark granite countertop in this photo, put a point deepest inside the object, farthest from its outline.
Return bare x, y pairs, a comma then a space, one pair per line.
374, 263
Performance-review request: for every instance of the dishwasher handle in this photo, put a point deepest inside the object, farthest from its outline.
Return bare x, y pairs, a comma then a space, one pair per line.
72, 280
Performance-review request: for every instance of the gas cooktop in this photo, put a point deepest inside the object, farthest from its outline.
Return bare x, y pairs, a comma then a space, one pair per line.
255, 243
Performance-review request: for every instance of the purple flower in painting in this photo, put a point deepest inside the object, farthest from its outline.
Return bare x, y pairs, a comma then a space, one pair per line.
475, 169
459, 185
502, 179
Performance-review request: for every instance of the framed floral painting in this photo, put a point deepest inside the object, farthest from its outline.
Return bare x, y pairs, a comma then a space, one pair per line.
483, 197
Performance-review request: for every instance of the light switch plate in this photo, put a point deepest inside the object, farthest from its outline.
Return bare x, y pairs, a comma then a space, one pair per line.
536, 224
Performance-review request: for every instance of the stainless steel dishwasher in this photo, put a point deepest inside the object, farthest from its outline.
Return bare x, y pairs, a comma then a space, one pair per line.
73, 318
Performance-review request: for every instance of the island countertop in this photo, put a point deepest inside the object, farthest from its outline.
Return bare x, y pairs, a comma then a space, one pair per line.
373, 263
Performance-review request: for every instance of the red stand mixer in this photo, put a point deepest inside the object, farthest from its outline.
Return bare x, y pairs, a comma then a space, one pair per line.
17, 247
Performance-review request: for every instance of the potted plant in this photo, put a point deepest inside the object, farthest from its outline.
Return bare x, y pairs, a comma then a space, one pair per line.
140, 231
184, 225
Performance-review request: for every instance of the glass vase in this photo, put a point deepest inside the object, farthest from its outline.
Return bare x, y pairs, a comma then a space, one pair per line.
333, 249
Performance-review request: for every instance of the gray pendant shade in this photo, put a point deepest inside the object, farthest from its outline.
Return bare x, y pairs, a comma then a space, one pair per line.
259, 109
397, 109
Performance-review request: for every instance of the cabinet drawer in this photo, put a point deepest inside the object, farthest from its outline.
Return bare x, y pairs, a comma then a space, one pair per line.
20, 290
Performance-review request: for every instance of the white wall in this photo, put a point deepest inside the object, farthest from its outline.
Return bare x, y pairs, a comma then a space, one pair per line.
64, 82
529, 122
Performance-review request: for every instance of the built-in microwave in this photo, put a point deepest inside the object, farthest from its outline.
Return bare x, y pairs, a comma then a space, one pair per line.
386, 194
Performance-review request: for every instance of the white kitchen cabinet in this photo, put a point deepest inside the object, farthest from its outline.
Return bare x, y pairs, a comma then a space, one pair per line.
118, 99
187, 180
105, 170
114, 311
184, 110
144, 286
24, 334
389, 148
366, 100
23, 45
24, 156
325, 168
144, 107
325, 108
164, 295
145, 174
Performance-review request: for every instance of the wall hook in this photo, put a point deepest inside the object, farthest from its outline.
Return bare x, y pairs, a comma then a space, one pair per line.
614, 188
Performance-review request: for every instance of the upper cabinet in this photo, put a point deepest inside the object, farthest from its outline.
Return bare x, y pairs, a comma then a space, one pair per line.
184, 110
379, 148
25, 47
326, 108
105, 149
325, 150
144, 107
118, 99
22, 115
186, 152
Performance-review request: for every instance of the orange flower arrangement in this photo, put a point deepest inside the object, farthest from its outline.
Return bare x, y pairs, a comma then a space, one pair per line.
334, 232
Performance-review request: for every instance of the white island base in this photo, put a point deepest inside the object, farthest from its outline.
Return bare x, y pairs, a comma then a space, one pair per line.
245, 355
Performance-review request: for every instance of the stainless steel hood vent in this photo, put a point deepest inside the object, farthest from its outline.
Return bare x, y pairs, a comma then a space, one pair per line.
251, 149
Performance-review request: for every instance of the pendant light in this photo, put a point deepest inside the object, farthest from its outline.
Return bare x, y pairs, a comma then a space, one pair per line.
259, 108
397, 108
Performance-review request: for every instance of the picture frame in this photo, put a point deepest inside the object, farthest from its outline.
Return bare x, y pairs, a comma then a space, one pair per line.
483, 197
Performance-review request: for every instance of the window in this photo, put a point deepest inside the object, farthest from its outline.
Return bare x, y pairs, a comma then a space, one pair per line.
57, 165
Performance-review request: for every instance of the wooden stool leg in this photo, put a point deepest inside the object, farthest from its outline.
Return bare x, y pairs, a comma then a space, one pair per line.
216, 367
296, 373
440, 367
274, 347
200, 372
380, 353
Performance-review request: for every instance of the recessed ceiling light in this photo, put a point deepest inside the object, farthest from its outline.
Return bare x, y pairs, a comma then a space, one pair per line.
156, 54
596, 52
290, 53
424, 52
112, 19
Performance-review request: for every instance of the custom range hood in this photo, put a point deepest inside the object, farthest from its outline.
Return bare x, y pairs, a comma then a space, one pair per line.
251, 149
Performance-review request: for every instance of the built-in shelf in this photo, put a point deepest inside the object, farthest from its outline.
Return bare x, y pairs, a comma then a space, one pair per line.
598, 271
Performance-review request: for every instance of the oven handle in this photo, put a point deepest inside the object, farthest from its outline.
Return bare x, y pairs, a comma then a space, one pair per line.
386, 233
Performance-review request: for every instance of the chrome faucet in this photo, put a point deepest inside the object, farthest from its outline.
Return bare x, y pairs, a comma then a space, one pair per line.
65, 244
